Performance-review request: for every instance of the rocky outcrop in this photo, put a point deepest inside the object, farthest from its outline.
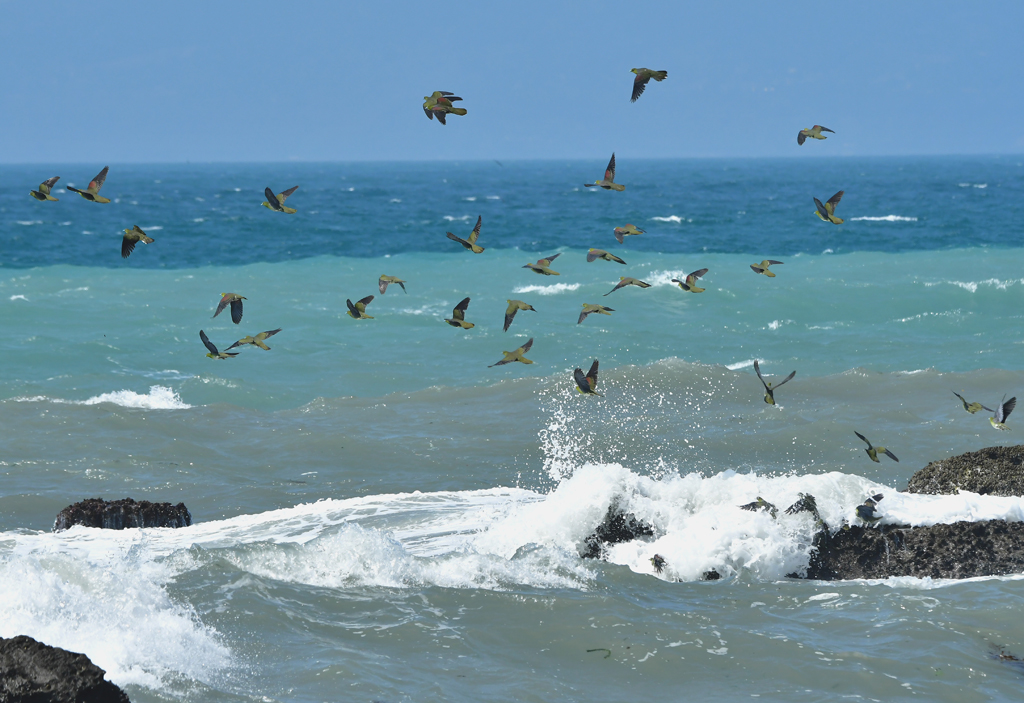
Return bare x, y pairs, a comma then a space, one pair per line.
121, 514
955, 551
617, 526
33, 672
997, 471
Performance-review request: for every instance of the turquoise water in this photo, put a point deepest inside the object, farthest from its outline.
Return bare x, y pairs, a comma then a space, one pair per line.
380, 516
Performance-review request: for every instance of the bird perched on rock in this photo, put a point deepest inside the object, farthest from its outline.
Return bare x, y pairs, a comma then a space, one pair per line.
214, 353
471, 243
542, 266
595, 254
659, 563
628, 281
357, 311
690, 284
873, 452
514, 306
970, 407
827, 211
587, 384
439, 103
769, 395
516, 355
761, 504
866, 512
814, 132
1002, 412
131, 238
382, 283
628, 231
589, 308
276, 202
257, 341
608, 183
807, 504
92, 192
763, 267
233, 299
44, 189
458, 318
643, 76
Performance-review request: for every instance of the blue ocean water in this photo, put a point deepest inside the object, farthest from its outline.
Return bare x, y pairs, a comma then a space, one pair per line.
380, 516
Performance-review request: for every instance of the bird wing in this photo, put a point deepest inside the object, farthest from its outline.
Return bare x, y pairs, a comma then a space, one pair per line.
830, 205
592, 375
476, 230
826, 129
222, 304
612, 257
801, 137
269, 333
692, 278
459, 312
594, 254
382, 284
240, 342
823, 211
236, 310
582, 381
1005, 409
756, 268
621, 283
208, 343
282, 196
45, 186
526, 347
97, 183
127, 244
355, 312
272, 199
547, 262
583, 315
366, 301
757, 370
772, 262
639, 83
787, 379
609, 173
887, 452
440, 117
460, 240
427, 111
863, 438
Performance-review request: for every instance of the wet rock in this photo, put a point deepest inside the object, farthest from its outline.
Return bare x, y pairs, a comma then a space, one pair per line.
711, 576
33, 672
997, 471
955, 551
122, 514
617, 526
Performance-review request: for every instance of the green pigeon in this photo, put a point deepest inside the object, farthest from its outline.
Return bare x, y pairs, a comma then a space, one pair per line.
233, 299
1002, 412
470, 244
131, 238
628, 281
439, 103
628, 231
514, 306
866, 511
587, 383
542, 266
276, 202
44, 189
357, 311
873, 452
761, 504
763, 267
257, 341
814, 132
589, 308
92, 193
458, 318
827, 211
383, 282
214, 354
690, 284
659, 563
609, 178
515, 355
595, 254
970, 407
643, 76
769, 395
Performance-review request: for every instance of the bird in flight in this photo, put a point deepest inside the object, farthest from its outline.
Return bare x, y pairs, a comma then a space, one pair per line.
629, 230
276, 202
587, 383
131, 238
763, 267
589, 308
827, 211
867, 512
873, 452
383, 282
690, 284
439, 103
595, 254
516, 355
92, 192
257, 341
814, 132
214, 353
514, 306
357, 311
542, 266
608, 183
44, 189
1002, 412
628, 281
470, 244
769, 395
761, 504
233, 299
643, 76
970, 407
458, 318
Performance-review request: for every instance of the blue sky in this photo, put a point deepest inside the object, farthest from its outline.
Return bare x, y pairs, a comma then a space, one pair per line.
106, 82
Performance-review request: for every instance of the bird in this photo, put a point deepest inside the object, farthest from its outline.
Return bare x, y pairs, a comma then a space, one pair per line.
514, 306
214, 353
236, 305
970, 407
814, 132
608, 183
92, 192
44, 189
586, 384
769, 395
690, 284
873, 452
439, 103
542, 266
257, 341
471, 242
357, 311
643, 75
382, 284
590, 308
1002, 412
516, 355
659, 563
866, 511
276, 202
629, 230
761, 504
595, 254
131, 237
458, 318
628, 281
827, 211
763, 267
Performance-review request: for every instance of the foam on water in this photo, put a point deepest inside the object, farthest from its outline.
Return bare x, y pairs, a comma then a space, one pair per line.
884, 218
554, 289
158, 398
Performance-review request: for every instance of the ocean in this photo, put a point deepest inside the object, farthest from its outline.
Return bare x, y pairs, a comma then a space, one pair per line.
381, 516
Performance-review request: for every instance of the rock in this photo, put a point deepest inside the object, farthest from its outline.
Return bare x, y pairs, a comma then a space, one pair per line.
617, 526
956, 551
33, 672
121, 514
997, 471
711, 575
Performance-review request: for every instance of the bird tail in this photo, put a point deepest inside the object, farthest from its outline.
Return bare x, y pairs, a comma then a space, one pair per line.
100, 199
768, 273
616, 186
477, 249
660, 75
289, 210
837, 220
457, 110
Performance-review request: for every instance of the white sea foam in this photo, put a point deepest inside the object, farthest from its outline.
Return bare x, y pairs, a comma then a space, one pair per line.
972, 286
494, 197
471, 198
973, 185
885, 218
29, 222
548, 290
18, 297
672, 218
452, 218
158, 398
153, 228
740, 365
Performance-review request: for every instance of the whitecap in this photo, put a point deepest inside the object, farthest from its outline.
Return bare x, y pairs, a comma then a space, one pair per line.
395, 200
18, 297
152, 228
672, 218
450, 218
471, 198
199, 219
494, 197
885, 218
29, 222
740, 365
548, 290
158, 398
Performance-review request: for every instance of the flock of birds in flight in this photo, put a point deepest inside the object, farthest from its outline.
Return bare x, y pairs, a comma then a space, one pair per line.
439, 105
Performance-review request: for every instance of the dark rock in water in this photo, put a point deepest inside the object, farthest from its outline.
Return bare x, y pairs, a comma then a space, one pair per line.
616, 527
33, 672
997, 471
956, 551
121, 514
711, 576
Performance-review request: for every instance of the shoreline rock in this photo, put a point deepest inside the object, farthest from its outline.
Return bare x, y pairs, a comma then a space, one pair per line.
617, 526
122, 514
997, 471
31, 671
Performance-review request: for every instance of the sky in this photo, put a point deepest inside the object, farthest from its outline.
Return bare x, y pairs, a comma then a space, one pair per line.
229, 81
